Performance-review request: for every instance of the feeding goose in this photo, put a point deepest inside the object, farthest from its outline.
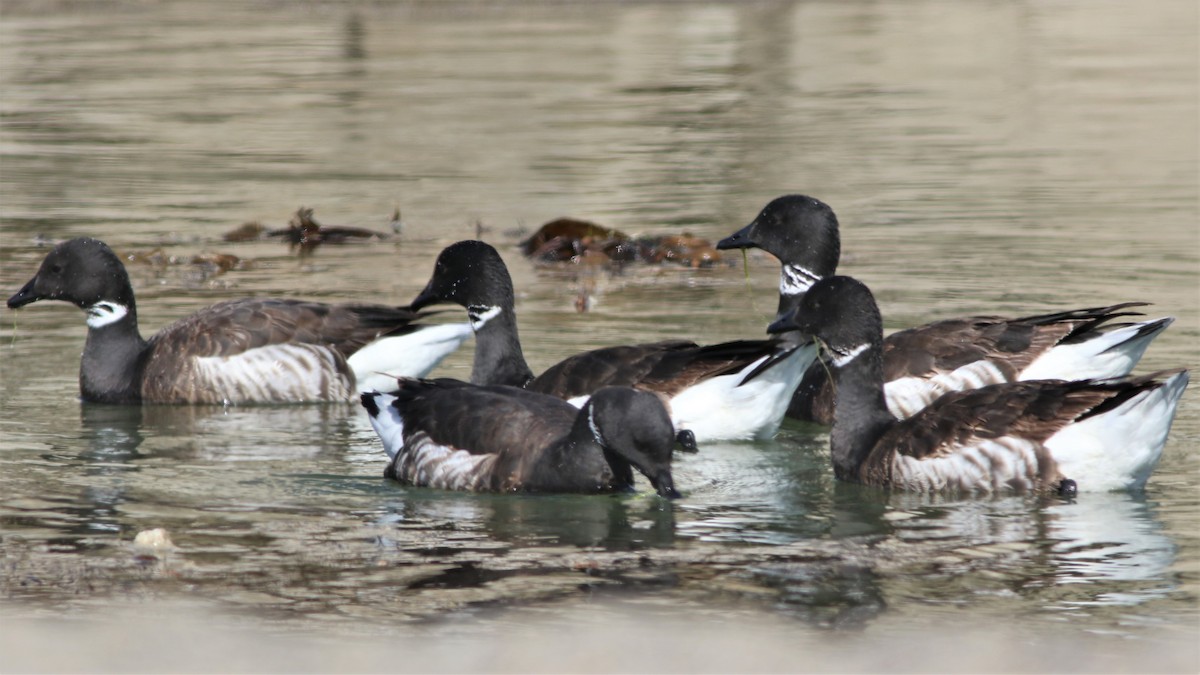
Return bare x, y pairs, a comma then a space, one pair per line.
458, 436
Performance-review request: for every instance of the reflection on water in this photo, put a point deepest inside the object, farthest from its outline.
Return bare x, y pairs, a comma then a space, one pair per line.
981, 157
1113, 537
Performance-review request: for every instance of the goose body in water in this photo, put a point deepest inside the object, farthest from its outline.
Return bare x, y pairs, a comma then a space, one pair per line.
1037, 435
922, 363
260, 350
458, 436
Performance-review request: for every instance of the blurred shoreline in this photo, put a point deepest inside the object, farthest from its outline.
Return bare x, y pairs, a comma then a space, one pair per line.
168, 637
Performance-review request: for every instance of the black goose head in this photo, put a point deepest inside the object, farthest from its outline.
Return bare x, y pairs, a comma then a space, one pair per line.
469, 273
799, 230
634, 429
83, 272
840, 312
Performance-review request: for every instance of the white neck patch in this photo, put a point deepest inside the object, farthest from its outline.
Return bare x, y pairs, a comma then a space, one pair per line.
480, 315
840, 359
105, 313
592, 425
794, 280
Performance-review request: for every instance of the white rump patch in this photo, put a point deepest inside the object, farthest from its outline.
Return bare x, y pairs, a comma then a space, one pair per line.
388, 424
794, 280
1113, 353
907, 395
377, 365
1119, 449
105, 313
728, 408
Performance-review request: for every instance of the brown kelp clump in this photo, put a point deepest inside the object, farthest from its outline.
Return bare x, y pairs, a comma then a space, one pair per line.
570, 240
304, 232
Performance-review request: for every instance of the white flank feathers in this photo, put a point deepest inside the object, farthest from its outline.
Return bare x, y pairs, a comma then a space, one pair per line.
283, 373
105, 313
727, 408
428, 464
1118, 450
1110, 354
377, 365
908, 395
418, 459
988, 465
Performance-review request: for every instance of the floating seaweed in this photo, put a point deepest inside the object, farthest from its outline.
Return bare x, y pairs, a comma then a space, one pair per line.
305, 232
570, 240
194, 270
250, 231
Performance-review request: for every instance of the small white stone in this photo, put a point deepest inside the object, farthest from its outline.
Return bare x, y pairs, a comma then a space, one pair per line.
154, 542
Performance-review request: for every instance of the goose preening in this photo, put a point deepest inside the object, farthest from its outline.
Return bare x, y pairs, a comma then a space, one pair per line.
731, 390
922, 363
1036, 435
260, 350
458, 436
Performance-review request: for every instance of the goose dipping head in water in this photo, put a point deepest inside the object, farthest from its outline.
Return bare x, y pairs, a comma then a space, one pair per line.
458, 436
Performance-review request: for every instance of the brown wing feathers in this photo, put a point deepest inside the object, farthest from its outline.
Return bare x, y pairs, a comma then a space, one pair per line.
1029, 410
626, 365
511, 419
236, 326
1012, 344
679, 370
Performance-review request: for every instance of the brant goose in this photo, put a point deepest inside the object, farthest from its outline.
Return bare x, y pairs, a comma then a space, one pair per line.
238, 351
1036, 435
923, 363
730, 391
457, 436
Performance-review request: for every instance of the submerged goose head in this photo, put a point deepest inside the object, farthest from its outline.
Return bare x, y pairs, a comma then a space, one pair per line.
469, 273
84, 272
634, 430
841, 314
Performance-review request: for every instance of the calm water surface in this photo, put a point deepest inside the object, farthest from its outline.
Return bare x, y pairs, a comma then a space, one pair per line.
983, 158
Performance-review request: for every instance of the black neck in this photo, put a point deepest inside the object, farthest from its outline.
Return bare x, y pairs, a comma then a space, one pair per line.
575, 462
786, 304
111, 366
583, 436
860, 414
498, 355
